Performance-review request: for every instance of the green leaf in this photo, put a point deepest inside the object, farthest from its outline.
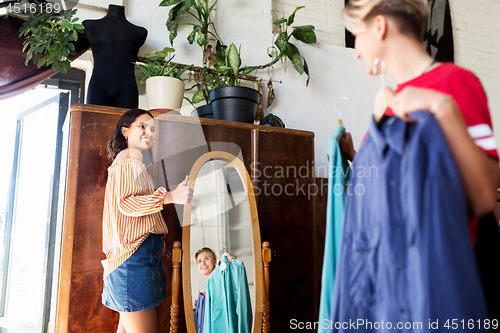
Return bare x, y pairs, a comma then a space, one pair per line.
167, 50
55, 65
249, 70
172, 33
198, 97
202, 39
282, 42
62, 68
172, 14
41, 61
305, 34
280, 21
233, 58
191, 36
291, 18
220, 53
294, 55
166, 3
78, 26
223, 69
179, 74
306, 70
186, 5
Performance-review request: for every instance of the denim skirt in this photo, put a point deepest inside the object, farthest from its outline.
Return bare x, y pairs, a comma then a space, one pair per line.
139, 283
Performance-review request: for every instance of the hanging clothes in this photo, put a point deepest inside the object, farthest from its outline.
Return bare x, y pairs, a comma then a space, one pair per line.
338, 179
438, 37
199, 312
227, 303
405, 255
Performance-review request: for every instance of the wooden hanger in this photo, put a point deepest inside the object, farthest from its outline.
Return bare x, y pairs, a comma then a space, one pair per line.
385, 95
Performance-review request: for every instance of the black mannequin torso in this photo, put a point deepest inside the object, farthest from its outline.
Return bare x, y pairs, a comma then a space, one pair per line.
115, 43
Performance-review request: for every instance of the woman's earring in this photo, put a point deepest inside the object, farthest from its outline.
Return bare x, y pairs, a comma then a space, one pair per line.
384, 97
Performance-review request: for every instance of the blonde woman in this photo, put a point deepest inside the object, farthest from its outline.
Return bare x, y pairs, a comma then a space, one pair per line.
393, 31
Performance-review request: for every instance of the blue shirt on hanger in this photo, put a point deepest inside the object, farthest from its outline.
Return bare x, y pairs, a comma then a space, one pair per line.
338, 179
199, 312
406, 255
228, 307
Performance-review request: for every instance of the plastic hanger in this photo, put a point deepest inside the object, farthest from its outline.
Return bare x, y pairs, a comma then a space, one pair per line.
336, 110
385, 95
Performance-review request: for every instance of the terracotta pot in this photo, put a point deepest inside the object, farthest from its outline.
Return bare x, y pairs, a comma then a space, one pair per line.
163, 92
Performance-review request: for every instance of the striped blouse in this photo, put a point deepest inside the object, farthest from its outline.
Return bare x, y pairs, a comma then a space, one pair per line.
131, 211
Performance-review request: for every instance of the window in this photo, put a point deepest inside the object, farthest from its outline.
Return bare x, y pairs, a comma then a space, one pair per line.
30, 192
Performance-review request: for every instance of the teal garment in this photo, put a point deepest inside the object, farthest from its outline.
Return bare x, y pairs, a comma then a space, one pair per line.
227, 304
338, 180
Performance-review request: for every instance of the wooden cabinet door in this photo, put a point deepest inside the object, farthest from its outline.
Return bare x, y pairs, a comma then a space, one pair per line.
286, 222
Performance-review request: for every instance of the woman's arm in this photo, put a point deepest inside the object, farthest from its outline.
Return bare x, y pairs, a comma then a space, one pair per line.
480, 173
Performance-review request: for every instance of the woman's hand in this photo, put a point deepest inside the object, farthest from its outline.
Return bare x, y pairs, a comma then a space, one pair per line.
412, 99
346, 146
182, 195
229, 256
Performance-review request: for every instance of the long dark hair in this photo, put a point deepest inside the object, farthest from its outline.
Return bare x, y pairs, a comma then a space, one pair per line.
117, 142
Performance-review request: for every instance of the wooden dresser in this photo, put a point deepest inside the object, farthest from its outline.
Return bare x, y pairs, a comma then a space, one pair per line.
281, 165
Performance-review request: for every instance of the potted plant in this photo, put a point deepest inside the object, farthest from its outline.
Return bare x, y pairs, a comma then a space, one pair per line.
49, 36
164, 85
229, 100
202, 31
226, 62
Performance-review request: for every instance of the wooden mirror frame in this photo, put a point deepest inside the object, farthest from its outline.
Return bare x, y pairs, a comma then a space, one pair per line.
186, 240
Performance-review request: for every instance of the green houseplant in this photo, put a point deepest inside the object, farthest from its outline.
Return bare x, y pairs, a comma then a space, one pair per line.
164, 84
202, 31
49, 37
222, 68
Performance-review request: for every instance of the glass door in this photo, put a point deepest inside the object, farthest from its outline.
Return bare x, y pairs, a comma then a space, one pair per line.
28, 213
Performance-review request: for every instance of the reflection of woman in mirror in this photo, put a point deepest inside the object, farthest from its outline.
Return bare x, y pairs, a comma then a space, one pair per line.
133, 226
206, 260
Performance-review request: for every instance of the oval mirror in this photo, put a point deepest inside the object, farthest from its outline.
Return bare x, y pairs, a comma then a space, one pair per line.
221, 223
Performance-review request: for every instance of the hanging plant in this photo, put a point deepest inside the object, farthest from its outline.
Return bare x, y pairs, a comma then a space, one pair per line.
49, 37
304, 33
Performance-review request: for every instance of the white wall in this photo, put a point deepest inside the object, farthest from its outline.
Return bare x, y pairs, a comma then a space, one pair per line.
334, 71
476, 32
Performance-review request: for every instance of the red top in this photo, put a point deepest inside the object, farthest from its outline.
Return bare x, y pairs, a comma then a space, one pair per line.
470, 98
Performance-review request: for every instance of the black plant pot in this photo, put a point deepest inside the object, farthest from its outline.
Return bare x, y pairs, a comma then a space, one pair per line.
235, 103
204, 111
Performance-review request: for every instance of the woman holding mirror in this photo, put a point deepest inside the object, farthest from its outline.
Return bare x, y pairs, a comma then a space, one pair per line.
133, 226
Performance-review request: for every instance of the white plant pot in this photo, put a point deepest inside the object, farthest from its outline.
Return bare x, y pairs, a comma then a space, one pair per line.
163, 92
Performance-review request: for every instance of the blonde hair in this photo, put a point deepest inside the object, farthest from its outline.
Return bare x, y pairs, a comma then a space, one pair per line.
410, 16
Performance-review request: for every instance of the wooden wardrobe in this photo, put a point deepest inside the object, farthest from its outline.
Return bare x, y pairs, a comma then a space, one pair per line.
276, 159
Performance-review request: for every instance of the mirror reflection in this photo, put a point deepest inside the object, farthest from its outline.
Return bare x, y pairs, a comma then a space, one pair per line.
222, 262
